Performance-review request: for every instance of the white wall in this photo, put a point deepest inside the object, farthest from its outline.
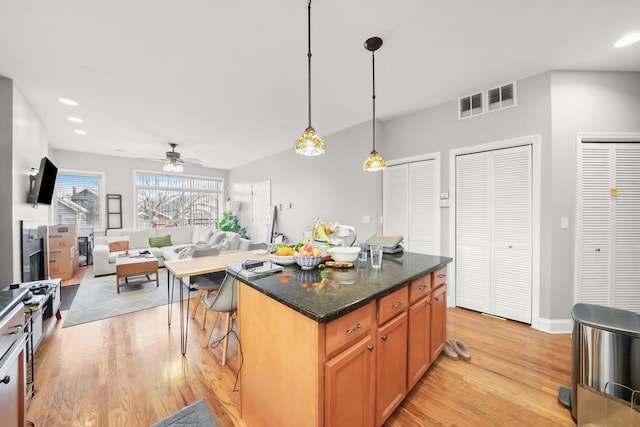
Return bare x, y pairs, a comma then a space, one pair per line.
118, 174
606, 102
27, 144
332, 186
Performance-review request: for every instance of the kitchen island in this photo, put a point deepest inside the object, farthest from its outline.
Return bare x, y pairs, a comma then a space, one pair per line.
339, 347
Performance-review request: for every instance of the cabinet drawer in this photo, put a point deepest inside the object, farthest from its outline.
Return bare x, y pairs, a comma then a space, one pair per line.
393, 304
439, 277
348, 328
419, 288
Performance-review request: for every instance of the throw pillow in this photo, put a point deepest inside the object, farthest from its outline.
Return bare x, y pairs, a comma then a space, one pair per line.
225, 244
159, 242
118, 244
185, 252
217, 237
139, 239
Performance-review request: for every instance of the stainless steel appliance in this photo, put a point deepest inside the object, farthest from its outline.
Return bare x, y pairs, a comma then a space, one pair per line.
605, 354
12, 357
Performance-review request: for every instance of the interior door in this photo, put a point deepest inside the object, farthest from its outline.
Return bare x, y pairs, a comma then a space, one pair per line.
260, 202
494, 232
410, 205
609, 197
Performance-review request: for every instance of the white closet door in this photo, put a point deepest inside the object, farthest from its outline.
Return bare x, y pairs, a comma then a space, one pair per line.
396, 200
511, 233
596, 218
423, 208
626, 233
473, 232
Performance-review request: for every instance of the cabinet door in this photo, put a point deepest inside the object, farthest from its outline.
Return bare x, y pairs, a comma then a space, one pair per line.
349, 386
419, 356
391, 366
438, 320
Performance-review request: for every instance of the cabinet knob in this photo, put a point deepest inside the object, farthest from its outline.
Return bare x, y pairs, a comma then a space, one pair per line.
597, 249
441, 275
370, 347
384, 337
352, 330
437, 298
422, 288
398, 304
6, 380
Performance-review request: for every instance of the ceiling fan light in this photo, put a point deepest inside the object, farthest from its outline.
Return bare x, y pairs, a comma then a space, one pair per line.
309, 144
168, 167
374, 162
177, 168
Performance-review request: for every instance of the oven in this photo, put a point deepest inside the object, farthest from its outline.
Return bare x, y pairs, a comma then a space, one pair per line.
12, 359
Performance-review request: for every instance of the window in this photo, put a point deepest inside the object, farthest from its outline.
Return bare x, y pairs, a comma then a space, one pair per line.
78, 199
169, 200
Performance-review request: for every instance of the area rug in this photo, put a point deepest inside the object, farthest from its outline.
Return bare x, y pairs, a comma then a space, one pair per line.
195, 415
67, 294
97, 297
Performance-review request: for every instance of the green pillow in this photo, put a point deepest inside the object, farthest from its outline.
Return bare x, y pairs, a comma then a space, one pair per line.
158, 242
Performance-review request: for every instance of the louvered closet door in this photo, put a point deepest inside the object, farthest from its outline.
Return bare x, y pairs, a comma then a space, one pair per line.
473, 232
410, 204
493, 232
423, 208
395, 195
596, 207
511, 233
609, 258
626, 263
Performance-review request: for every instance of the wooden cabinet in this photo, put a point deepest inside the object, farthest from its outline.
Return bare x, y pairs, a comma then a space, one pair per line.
438, 320
350, 369
391, 366
349, 386
419, 347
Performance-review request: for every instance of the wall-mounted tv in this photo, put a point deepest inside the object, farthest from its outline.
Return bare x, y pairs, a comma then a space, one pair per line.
41, 187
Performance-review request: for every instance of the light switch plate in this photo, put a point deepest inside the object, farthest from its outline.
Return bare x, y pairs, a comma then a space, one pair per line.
444, 203
564, 223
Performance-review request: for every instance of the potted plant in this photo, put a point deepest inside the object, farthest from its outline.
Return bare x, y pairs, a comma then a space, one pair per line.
230, 222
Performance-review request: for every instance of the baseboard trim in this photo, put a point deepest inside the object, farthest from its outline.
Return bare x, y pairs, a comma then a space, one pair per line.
555, 326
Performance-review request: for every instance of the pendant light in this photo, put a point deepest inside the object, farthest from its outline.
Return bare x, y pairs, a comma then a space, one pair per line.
374, 162
309, 144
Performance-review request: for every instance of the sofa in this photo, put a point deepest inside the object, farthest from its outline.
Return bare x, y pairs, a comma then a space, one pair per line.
164, 243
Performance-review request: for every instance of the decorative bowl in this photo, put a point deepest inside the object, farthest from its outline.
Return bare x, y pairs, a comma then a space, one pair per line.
282, 259
312, 276
307, 262
344, 253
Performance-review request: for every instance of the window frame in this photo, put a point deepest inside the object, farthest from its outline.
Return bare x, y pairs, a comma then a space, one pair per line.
101, 195
136, 172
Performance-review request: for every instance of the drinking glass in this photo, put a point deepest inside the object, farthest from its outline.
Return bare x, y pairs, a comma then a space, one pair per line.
376, 256
362, 256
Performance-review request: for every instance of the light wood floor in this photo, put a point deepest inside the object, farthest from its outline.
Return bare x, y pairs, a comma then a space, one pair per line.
128, 371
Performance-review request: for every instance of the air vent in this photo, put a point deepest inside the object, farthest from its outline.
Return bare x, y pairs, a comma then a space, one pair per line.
471, 105
501, 97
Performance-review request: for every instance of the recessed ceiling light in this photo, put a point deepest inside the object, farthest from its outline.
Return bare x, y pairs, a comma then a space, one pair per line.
75, 119
67, 101
627, 40
80, 132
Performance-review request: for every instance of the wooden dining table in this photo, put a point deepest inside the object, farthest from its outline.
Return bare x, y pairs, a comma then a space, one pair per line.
183, 268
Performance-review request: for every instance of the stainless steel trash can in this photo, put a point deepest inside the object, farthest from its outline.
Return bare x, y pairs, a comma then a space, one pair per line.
606, 349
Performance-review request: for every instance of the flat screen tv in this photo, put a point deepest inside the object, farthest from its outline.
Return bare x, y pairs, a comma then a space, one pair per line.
41, 188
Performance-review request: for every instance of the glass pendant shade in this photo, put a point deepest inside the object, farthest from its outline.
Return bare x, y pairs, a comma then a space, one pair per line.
310, 144
374, 162
172, 167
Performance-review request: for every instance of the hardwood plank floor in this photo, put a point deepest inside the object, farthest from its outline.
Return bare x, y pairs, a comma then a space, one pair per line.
128, 371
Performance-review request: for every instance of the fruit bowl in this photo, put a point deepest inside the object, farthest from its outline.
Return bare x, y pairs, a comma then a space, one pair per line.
344, 254
282, 260
307, 262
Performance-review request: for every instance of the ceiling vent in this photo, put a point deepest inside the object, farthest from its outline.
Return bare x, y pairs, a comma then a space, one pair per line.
501, 97
470, 106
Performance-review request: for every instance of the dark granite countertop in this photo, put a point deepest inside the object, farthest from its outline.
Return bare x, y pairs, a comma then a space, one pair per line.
326, 295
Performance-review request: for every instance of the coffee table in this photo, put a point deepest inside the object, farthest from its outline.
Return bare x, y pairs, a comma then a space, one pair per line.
130, 266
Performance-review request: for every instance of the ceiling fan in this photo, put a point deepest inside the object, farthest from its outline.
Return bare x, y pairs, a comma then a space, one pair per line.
173, 160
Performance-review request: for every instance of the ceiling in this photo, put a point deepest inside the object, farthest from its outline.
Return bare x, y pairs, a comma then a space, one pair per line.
227, 80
